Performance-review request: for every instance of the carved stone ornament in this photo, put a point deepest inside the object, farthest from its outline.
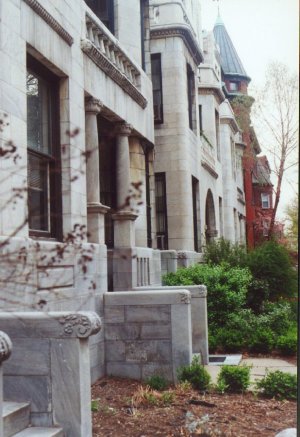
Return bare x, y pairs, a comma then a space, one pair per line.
49, 19
123, 129
112, 71
185, 297
81, 324
5, 346
92, 105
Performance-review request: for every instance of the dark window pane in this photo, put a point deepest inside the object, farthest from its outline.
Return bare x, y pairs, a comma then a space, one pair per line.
104, 9
38, 114
157, 88
161, 211
38, 193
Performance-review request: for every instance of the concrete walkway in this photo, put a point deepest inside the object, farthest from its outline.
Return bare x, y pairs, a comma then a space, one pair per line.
259, 368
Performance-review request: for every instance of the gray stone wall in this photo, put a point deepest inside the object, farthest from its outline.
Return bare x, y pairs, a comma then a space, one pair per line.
147, 333
198, 315
50, 367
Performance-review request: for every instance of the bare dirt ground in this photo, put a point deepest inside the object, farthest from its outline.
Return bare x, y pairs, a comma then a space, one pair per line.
127, 408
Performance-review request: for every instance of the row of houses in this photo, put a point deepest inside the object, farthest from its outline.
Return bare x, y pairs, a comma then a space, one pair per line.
126, 146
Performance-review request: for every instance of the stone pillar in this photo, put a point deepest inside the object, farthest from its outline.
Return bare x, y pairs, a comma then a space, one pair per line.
124, 231
95, 210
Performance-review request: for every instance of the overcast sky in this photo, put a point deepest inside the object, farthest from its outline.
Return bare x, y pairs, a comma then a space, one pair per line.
261, 31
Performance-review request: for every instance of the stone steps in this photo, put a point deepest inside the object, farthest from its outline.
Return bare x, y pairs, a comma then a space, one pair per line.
16, 422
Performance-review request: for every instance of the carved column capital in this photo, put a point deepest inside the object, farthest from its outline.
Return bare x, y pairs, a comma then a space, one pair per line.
5, 346
92, 105
124, 129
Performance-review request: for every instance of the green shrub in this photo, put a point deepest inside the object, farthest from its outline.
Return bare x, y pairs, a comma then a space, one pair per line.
279, 316
196, 374
261, 340
278, 384
157, 382
212, 343
230, 340
227, 288
287, 343
234, 379
271, 263
222, 250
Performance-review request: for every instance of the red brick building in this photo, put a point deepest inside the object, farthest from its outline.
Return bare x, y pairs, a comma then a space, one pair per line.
257, 185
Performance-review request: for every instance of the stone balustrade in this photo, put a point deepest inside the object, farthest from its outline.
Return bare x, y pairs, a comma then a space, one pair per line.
105, 51
50, 367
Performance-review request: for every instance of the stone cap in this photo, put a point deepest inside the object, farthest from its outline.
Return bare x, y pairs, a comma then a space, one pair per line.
54, 324
5, 346
195, 290
149, 297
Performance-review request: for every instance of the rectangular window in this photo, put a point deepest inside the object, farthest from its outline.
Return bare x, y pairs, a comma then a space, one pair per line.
161, 211
200, 120
233, 86
233, 158
265, 200
44, 183
217, 123
196, 215
104, 9
157, 88
221, 216
190, 93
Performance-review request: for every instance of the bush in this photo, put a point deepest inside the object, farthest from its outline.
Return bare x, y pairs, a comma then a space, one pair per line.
227, 288
287, 343
278, 384
234, 379
262, 341
195, 374
222, 250
271, 263
157, 382
230, 340
279, 316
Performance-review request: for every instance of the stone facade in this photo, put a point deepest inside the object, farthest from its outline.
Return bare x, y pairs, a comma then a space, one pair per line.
120, 159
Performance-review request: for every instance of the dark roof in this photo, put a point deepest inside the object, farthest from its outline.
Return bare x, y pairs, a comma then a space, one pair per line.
230, 61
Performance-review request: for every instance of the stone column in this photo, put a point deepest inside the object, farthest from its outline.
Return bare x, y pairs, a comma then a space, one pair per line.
124, 232
95, 210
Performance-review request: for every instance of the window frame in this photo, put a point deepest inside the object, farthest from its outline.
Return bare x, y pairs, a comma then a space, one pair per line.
157, 57
53, 160
267, 196
161, 177
190, 78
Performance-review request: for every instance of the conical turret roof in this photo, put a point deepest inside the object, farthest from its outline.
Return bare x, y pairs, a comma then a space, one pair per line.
230, 61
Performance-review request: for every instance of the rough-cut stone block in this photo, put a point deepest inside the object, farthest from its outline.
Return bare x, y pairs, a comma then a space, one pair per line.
159, 313
124, 370
164, 370
114, 314
148, 351
181, 336
115, 351
122, 331
156, 330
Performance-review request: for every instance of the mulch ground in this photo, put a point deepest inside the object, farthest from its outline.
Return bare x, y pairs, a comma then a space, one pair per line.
123, 411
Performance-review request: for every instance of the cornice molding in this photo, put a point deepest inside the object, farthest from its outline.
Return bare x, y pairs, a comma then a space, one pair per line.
205, 89
49, 19
209, 169
181, 31
112, 71
231, 122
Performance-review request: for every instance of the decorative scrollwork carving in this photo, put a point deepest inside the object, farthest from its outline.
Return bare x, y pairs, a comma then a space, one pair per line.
185, 297
81, 325
5, 346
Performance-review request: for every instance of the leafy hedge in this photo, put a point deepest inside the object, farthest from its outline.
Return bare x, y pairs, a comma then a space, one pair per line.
240, 285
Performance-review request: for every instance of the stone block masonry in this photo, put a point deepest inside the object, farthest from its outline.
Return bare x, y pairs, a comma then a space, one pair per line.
147, 333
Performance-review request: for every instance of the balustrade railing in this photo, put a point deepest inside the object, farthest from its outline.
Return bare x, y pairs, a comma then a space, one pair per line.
105, 51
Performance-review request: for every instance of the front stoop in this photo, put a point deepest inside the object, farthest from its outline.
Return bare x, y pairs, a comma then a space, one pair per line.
16, 422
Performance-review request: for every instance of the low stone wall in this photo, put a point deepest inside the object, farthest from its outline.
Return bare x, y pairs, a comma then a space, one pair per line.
50, 367
147, 333
198, 315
